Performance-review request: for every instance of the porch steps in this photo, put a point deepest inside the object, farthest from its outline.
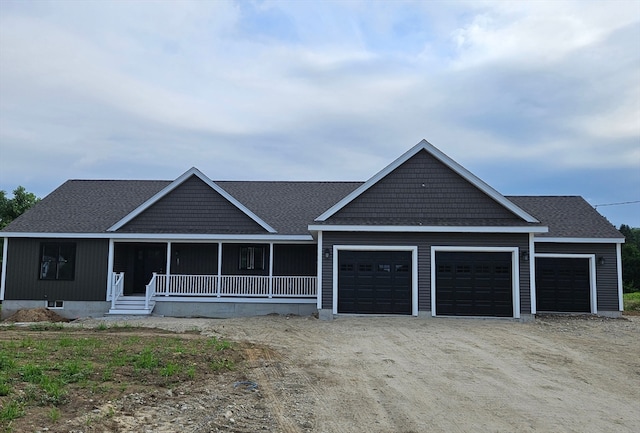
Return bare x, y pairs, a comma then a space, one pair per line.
132, 305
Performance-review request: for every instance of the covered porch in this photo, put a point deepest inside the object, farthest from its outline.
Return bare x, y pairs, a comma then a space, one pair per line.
144, 273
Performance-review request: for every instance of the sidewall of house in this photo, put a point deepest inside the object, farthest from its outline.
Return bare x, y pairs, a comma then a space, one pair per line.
606, 274
23, 267
424, 242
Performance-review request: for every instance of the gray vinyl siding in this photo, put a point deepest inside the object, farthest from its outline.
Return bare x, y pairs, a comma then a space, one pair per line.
194, 259
295, 260
422, 191
424, 241
606, 275
23, 264
193, 207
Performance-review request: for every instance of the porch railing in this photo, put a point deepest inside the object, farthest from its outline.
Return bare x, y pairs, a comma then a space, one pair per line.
117, 288
236, 286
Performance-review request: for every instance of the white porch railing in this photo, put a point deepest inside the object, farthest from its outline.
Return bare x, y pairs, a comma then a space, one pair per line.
117, 287
236, 286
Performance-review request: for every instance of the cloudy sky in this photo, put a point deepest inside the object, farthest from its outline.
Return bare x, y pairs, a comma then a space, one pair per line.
533, 97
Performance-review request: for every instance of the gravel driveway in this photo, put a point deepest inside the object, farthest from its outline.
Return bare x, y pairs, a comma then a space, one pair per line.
396, 374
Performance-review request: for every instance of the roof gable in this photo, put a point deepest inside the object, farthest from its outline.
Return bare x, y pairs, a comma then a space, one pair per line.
192, 204
425, 187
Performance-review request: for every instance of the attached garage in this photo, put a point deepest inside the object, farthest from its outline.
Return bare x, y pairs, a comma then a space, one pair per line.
563, 284
473, 283
374, 282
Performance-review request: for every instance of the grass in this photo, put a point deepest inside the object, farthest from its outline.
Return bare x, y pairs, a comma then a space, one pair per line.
631, 301
48, 373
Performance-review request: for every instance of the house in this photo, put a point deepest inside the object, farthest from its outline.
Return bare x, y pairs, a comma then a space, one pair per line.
423, 237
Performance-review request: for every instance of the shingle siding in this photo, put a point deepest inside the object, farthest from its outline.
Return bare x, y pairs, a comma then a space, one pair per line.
423, 191
23, 264
424, 241
193, 207
606, 275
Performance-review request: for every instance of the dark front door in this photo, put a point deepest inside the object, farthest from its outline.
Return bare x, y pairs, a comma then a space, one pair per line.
563, 285
148, 258
474, 284
374, 282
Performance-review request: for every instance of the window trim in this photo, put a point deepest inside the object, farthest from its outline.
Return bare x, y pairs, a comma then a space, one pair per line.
71, 260
247, 260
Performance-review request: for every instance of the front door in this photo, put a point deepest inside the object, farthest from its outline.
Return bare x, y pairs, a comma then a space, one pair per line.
148, 258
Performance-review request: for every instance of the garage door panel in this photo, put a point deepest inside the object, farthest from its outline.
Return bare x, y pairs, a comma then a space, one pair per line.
563, 285
374, 282
474, 284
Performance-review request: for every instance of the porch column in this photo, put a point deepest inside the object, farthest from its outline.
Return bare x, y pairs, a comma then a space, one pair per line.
271, 269
167, 270
219, 279
5, 250
319, 276
109, 270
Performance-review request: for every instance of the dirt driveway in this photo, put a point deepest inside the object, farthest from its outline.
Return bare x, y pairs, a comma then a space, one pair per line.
418, 375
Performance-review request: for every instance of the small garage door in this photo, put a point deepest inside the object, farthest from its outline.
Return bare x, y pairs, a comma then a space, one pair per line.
474, 284
374, 282
563, 285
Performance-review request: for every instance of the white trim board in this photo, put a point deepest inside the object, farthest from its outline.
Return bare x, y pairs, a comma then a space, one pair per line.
593, 289
542, 239
439, 155
179, 181
3, 276
414, 269
515, 271
163, 236
428, 229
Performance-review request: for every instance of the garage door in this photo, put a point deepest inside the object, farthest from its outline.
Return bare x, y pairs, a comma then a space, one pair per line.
474, 284
563, 285
374, 282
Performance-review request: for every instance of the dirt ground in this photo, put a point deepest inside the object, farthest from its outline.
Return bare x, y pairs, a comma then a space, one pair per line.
401, 375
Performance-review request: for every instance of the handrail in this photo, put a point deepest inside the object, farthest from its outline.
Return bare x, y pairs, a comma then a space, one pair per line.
117, 288
150, 291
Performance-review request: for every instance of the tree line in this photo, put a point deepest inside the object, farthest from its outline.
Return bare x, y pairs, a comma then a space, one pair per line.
12, 208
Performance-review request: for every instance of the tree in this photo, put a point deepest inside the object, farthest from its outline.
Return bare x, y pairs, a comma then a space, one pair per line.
630, 258
12, 208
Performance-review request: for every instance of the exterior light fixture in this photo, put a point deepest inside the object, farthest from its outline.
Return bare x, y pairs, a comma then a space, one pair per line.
327, 253
601, 261
525, 256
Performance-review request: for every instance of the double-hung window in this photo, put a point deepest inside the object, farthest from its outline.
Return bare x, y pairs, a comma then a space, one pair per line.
57, 261
252, 258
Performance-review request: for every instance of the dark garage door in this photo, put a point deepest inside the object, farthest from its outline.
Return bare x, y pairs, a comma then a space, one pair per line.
562, 285
374, 282
473, 284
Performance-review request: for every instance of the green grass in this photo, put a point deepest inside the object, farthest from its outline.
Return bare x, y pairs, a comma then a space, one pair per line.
632, 301
44, 370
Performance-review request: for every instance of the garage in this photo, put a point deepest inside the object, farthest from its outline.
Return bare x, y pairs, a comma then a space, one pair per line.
474, 284
563, 285
374, 282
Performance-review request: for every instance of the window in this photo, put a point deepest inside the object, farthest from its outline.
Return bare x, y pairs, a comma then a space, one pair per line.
57, 261
56, 305
252, 258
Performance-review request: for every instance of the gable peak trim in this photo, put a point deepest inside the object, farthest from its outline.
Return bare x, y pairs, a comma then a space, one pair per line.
446, 160
193, 171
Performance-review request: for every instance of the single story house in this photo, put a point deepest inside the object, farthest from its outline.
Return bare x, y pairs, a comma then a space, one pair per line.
423, 237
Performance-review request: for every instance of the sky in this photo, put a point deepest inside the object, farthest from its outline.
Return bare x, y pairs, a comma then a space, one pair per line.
535, 98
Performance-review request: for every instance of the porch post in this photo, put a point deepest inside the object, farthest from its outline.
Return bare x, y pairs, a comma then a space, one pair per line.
219, 279
5, 250
110, 260
271, 269
168, 269
319, 276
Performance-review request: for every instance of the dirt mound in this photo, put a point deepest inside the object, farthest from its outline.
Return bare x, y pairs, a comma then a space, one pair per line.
36, 315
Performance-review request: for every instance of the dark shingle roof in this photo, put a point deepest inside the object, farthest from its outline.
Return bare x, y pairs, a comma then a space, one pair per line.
92, 206
567, 217
289, 207
85, 206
